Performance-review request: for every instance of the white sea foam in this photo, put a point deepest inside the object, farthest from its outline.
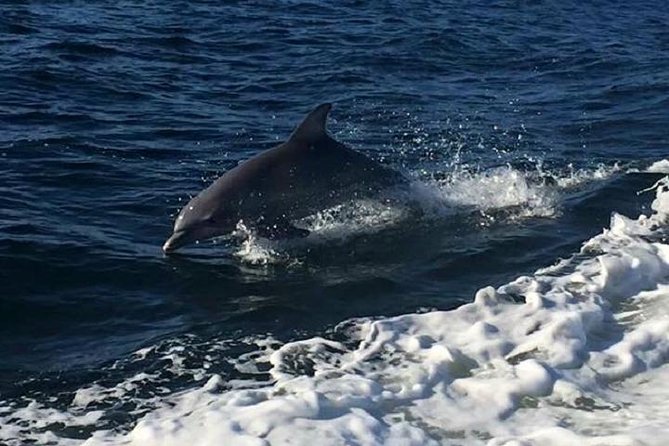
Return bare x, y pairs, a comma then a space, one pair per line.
332, 225
661, 166
357, 217
575, 177
490, 190
256, 250
575, 354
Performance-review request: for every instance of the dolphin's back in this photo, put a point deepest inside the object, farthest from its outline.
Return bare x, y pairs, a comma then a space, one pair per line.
299, 178
309, 172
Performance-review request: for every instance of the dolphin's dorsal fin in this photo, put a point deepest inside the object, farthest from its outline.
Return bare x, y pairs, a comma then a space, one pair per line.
313, 127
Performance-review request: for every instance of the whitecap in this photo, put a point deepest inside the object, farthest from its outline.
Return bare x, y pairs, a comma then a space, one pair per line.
574, 354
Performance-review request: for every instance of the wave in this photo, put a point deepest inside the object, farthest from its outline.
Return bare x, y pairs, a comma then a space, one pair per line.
568, 355
573, 354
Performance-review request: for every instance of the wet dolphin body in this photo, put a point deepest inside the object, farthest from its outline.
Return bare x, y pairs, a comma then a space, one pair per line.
307, 173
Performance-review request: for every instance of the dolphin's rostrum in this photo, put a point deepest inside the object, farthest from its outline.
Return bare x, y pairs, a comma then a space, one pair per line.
307, 173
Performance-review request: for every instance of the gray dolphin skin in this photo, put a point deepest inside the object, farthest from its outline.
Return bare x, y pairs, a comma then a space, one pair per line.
307, 173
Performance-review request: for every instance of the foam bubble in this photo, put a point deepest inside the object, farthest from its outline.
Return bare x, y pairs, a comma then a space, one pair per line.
355, 217
494, 189
578, 361
576, 353
257, 250
661, 166
575, 177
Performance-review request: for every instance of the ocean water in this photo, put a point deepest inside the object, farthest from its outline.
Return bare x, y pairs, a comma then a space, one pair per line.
529, 304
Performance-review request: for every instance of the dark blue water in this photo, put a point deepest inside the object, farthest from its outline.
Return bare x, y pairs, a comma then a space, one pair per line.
113, 114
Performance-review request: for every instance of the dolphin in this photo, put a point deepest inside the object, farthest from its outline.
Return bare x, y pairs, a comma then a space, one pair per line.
307, 173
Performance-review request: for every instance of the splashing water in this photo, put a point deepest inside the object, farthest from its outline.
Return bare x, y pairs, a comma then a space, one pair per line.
500, 194
569, 355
